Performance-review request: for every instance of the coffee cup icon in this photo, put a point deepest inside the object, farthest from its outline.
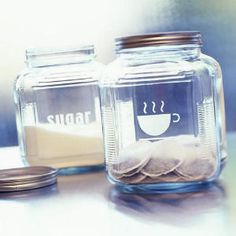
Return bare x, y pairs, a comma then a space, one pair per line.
156, 124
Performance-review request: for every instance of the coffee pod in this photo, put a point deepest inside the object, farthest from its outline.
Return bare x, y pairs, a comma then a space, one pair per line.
132, 159
165, 157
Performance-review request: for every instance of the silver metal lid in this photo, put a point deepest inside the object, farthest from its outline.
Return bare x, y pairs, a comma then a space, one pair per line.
26, 178
165, 38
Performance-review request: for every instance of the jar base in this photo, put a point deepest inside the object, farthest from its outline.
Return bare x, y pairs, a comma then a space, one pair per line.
162, 188
80, 170
68, 170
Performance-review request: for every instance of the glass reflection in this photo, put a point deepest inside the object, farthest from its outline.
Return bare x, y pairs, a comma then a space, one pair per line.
172, 208
44, 192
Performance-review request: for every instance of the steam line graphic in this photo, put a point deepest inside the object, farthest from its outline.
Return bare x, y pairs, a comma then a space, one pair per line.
153, 107
145, 108
162, 106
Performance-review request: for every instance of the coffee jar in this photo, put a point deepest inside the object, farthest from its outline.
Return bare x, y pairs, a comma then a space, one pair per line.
162, 106
57, 108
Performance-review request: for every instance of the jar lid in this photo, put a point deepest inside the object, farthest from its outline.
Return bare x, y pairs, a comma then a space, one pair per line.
27, 178
164, 38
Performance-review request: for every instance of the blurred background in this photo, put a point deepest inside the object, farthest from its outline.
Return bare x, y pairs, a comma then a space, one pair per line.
47, 23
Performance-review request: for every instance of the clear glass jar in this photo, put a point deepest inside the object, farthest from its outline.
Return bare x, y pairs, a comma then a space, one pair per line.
163, 113
58, 110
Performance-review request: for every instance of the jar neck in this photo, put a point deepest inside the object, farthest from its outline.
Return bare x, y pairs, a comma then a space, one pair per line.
39, 58
155, 54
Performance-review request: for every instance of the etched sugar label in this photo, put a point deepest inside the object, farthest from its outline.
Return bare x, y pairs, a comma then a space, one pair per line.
163, 109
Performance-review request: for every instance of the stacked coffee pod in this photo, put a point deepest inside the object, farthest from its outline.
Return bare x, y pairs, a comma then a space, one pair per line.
176, 159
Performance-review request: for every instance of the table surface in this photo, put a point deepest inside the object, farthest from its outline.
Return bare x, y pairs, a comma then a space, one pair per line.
87, 204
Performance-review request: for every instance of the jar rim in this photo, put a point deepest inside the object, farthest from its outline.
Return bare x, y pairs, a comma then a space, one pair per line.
33, 52
157, 39
41, 57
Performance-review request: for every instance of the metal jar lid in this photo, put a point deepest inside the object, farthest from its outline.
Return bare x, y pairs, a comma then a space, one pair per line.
27, 178
164, 38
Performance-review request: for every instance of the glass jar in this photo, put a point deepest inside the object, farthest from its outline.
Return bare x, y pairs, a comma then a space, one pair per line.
163, 113
58, 110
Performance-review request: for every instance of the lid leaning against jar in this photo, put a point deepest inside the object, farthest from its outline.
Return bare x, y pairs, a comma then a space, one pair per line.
27, 178
165, 38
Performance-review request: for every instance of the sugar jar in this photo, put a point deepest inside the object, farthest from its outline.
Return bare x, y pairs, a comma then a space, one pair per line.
57, 108
162, 109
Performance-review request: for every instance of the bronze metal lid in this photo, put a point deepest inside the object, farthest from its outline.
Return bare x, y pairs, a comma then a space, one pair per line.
164, 38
